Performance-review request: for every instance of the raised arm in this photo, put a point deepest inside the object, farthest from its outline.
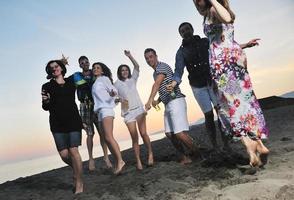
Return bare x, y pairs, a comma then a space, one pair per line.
251, 43
220, 12
129, 55
155, 88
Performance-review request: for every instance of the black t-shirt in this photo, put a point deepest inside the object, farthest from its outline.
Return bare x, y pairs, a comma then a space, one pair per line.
64, 114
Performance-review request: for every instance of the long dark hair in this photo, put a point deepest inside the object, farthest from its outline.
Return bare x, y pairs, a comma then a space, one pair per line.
224, 3
119, 69
106, 71
49, 71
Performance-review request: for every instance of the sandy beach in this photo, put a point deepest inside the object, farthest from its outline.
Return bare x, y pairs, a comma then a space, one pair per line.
216, 176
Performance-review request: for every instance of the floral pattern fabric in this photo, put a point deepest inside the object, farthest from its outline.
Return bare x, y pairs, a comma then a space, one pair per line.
240, 113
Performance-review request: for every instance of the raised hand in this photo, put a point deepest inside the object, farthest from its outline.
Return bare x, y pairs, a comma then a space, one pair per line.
253, 42
127, 53
64, 60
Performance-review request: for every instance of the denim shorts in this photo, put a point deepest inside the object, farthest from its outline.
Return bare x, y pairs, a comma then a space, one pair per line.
67, 140
205, 96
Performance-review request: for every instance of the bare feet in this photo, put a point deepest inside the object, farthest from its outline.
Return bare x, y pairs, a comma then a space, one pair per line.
108, 163
79, 187
185, 160
263, 152
119, 167
251, 147
139, 166
91, 165
254, 160
150, 160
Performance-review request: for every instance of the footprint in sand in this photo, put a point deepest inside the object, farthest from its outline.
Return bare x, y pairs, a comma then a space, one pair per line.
285, 193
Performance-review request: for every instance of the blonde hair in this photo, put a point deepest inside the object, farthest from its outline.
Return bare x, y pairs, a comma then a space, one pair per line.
205, 11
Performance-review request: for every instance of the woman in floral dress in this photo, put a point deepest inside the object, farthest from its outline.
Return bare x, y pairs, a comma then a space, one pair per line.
239, 112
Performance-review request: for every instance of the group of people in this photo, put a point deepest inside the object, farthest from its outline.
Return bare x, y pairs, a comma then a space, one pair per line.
218, 77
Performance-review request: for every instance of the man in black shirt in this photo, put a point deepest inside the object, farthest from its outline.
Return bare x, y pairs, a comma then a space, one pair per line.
193, 54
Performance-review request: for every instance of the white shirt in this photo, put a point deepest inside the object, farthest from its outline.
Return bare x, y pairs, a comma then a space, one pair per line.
127, 90
100, 93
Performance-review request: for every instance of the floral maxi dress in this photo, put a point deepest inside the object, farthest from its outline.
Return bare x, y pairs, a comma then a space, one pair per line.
239, 112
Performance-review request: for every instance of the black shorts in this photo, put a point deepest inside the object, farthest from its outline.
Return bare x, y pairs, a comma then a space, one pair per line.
67, 140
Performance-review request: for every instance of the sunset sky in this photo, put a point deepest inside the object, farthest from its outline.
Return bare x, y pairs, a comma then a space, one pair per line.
34, 32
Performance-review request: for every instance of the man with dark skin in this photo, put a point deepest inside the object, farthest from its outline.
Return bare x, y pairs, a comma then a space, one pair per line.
193, 54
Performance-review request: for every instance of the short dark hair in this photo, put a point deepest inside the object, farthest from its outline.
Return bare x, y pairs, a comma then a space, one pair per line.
48, 69
106, 71
185, 23
150, 50
119, 69
82, 58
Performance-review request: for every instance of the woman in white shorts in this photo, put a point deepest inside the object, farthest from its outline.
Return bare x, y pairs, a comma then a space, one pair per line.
103, 93
132, 109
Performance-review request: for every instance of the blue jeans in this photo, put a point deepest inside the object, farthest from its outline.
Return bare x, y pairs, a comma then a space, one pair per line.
67, 140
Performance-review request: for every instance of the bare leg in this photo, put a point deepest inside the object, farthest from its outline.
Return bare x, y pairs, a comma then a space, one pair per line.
141, 120
90, 152
134, 134
77, 165
179, 146
186, 140
112, 144
64, 155
103, 145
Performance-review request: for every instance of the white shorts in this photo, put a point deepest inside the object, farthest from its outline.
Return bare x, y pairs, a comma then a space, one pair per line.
131, 115
175, 116
205, 96
105, 112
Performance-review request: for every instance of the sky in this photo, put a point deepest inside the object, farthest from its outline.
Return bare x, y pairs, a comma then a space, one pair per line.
34, 32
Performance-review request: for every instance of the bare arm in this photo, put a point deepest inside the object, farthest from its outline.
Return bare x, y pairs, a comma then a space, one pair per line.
155, 88
129, 55
220, 12
251, 43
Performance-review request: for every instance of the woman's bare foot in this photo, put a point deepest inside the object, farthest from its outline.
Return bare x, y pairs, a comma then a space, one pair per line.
263, 152
79, 187
150, 160
107, 163
251, 147
254, 160
91, 165
119, 167
185, 160
139, 166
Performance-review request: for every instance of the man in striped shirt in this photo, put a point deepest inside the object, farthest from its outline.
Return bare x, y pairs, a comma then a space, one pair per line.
175, 115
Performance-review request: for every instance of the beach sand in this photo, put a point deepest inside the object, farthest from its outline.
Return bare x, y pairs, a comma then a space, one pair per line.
214, 177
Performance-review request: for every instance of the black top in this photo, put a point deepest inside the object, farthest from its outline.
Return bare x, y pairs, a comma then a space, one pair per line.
194, 54
64, 114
